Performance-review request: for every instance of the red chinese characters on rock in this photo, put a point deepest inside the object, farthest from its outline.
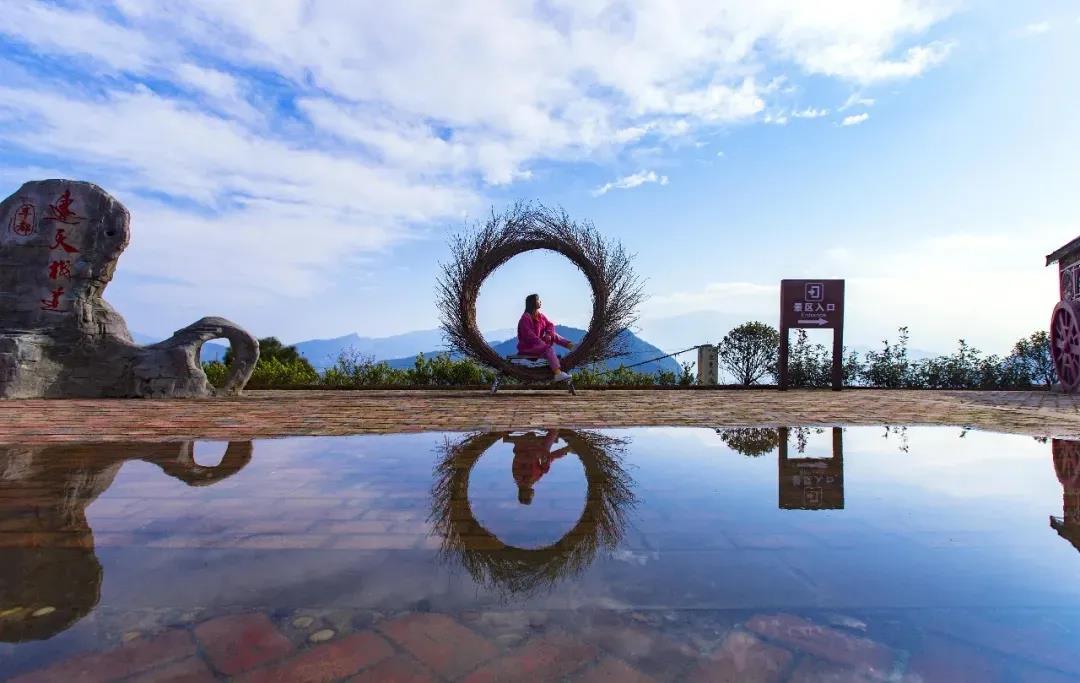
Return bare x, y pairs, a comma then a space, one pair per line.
61, 242
58, 269
62, 212
52, 303
24, 220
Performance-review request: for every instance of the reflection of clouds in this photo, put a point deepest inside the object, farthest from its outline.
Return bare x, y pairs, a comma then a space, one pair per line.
635, 557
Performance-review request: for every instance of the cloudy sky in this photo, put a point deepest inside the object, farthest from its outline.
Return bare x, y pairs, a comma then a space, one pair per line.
297, 166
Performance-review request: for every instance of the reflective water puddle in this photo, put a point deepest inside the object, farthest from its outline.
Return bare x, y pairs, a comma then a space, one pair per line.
641, 554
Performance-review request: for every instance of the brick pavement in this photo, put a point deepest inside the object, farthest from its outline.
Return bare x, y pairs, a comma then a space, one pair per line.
263, 414
427, 647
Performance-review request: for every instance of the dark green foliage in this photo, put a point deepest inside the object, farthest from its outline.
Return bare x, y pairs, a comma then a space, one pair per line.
1033, 354
749, 352
751, 441
810, 365
888, 368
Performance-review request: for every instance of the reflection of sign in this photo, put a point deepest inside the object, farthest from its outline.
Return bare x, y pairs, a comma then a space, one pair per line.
24, 220
812, 483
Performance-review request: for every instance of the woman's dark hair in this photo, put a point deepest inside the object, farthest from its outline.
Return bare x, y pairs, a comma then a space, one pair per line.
532, 302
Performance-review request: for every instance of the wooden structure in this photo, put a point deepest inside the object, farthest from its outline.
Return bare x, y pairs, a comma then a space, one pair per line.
812, 304
1065, 320
524, 361
1067, 468
477, 253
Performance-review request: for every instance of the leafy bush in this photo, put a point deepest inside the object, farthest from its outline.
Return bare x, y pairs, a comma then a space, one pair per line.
1033, 355
810, 365
276, 373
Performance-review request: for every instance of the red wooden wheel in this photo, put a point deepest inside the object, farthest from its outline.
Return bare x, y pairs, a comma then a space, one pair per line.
1065, 343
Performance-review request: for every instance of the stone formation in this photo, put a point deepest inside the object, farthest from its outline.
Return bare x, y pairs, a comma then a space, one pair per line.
59, 245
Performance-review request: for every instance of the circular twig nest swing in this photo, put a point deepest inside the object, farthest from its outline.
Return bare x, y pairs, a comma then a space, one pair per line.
513, 570
616, 290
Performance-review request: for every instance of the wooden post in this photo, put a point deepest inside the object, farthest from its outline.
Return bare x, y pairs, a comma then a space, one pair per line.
783, 360
838, 347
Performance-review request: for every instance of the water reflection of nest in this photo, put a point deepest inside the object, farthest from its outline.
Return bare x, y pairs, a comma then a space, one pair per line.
510, 569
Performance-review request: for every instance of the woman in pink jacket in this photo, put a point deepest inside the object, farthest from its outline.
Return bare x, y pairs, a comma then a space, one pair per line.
537, 336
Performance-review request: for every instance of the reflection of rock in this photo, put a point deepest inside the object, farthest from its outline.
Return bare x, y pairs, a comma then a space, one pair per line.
47, 544
1067, 467
493, 563
59, 245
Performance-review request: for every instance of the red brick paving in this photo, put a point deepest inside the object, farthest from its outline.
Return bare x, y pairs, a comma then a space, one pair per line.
647, 650
612, 670
397, 669
190, 670
131, 658
742, 658
816, 671
442, 644
240, 642
827, 643
325, 663
547, 658
261, 414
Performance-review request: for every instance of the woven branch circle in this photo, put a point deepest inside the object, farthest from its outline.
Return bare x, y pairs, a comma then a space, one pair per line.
616, 290
510, 569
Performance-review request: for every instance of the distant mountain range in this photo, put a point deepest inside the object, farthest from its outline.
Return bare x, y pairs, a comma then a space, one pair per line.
400, 350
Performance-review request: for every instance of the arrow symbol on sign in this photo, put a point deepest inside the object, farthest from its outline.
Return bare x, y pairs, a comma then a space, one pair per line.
818, 321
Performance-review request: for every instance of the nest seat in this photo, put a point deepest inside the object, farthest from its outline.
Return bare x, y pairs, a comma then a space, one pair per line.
527, 361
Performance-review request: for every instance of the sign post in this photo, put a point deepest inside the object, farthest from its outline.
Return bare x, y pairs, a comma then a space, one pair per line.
812, 304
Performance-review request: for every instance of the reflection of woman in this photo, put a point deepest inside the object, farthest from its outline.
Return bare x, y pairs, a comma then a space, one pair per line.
532, 460
494, 563
537, 337
50, 576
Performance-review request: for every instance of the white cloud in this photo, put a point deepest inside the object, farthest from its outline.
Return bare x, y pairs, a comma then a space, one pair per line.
810, 113
367, 120
854, 119
856, 100
1036, 28
631, 181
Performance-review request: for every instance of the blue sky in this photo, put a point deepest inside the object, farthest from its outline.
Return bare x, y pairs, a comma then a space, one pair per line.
298, 166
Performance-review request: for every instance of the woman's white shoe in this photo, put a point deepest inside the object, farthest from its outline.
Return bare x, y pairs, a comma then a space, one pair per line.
561, 376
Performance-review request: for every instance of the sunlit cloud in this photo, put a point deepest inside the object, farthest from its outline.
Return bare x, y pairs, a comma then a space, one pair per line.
631, 181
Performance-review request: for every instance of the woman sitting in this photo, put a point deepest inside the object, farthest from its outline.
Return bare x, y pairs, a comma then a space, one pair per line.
537, 337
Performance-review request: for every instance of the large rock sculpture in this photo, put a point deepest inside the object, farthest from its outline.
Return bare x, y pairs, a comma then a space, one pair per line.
59, 244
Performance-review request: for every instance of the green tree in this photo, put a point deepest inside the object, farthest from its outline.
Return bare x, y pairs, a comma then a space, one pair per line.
749, 351
1033, 354
271, 347
751, 441
279, 365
